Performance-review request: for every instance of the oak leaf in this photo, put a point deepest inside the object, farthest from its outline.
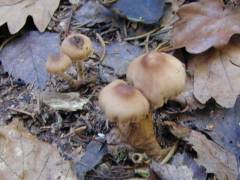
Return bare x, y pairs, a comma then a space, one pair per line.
205, 24
209, 154
213, 157
217, 75
25, 57
23, 156
187, 96
15, 13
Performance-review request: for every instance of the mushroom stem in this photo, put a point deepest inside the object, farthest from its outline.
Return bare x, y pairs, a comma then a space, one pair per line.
80, 71
68, 78
140, 134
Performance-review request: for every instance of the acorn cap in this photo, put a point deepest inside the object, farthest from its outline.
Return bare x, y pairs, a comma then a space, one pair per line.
77, 46
121, 101
58, 63
159, 76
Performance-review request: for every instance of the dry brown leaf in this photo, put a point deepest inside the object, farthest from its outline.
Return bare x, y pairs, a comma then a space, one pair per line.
171, 172
176, 4
217, 75
205, 24
187, 96
24, 157
15, 13
213, 157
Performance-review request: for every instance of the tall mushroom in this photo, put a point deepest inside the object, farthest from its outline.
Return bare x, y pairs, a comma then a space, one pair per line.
57, 64
159, 76
79, 48
129, 109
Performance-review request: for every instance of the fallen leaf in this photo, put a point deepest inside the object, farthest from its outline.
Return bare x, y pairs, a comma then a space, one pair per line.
92, 13
176, 4
119, 55
187, 96
94, 153
186, 159
63, 101
213, 157
25, 57
22, 156
217, 75
145, 11
209, 154
226, 129
205, 24
171, 172
15, 13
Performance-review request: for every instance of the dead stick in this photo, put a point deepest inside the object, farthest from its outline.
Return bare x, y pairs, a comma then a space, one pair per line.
21, 111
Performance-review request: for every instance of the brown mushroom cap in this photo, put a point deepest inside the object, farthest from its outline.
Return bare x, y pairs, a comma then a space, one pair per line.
121, 101
159, 76
58, 63
77, 46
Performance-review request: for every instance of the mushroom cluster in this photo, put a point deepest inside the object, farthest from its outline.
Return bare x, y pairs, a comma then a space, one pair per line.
153, 79
75, 49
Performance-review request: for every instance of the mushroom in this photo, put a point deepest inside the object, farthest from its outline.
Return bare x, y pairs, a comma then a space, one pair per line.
57, 64
159, 76
79, 48
129, 109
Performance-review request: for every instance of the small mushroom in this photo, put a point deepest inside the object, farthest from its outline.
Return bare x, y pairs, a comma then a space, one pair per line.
159, 76
57, 64
129, 109
79, 48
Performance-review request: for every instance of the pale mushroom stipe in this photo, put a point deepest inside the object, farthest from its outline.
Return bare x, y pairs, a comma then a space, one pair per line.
59, 63
159, 76
129, 109
79, 48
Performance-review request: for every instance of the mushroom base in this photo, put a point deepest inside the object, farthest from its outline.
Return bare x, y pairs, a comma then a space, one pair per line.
140, 135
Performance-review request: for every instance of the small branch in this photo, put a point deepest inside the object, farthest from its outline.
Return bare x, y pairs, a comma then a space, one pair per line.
142, 35
170, 154
147, 43
103, 46
22, 112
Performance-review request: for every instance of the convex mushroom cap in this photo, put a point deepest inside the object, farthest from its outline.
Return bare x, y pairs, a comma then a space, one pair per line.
58, 63
159, 76
77, 46
121, 102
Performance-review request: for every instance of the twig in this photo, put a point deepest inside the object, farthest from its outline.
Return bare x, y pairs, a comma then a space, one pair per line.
170, 154
147, 43
142, 35
103, 47
106, 2
6, 41
22, 111
161, 45
76, 131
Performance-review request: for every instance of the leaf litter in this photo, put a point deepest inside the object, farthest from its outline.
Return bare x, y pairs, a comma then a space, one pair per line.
217, 75
210, 155
41, 11
23, 156
205, 24
213, 157
25, 57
